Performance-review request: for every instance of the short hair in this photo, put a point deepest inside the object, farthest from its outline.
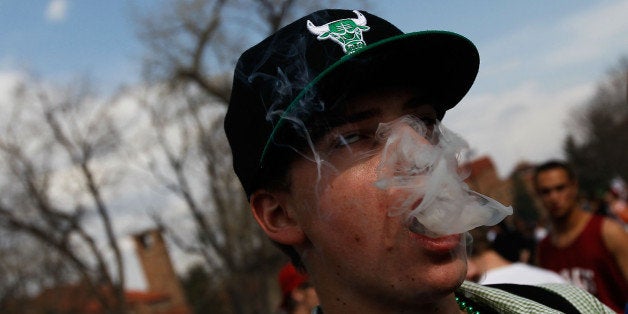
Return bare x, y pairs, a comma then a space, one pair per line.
551, 165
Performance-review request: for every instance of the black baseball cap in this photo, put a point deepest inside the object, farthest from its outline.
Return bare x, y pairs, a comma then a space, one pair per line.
294, 75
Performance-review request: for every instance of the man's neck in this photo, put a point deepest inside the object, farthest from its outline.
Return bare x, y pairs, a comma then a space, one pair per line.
445, 306
569, 227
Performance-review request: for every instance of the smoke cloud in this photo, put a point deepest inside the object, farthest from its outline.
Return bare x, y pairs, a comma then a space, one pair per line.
420, 163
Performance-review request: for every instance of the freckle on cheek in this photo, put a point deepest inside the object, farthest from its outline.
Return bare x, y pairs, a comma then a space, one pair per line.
357, 238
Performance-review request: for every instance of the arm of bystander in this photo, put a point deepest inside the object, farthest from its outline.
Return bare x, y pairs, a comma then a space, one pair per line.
615, 237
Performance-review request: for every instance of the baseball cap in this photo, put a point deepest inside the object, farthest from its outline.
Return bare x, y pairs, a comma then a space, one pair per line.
297, 73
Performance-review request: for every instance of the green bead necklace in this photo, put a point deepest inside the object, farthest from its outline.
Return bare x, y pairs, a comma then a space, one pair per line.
466, 306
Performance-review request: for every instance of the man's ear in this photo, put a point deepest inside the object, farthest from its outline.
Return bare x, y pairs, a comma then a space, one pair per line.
279, 224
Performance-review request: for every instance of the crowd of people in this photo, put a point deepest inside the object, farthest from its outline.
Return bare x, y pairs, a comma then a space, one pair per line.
335, 125
584, 244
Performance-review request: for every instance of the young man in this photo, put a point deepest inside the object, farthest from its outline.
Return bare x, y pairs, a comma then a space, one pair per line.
334, 128
589, 250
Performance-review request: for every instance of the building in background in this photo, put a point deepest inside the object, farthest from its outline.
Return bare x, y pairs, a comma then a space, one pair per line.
483, 179
159, 272
164, 294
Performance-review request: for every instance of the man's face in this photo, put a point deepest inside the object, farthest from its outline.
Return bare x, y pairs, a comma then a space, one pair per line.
353, 243
557, 192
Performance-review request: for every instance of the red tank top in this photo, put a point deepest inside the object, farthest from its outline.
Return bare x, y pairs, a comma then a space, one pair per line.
588, 264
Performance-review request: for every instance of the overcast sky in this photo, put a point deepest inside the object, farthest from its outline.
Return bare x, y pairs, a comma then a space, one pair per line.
539, 59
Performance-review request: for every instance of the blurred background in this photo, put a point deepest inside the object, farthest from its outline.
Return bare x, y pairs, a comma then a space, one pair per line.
116, 188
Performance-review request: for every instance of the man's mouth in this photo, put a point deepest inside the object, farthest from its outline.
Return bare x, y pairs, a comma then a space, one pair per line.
431, 241
416, 227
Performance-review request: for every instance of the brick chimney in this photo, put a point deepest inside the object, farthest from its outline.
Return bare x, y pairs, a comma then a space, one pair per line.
158, 270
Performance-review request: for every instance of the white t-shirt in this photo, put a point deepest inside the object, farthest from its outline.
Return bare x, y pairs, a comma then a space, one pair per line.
520, 273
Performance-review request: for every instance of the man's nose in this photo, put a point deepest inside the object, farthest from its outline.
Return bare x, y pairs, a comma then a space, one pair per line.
414, 134
553, 194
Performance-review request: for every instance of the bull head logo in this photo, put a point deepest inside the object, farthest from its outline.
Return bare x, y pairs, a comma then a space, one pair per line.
346, 32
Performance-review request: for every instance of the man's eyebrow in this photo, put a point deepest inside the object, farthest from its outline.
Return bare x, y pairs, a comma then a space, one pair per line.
414, 102
339, 120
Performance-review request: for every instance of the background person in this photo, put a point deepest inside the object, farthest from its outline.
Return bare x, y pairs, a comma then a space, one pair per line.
591, 251
617, 199
298, 294
487, 266
511, 242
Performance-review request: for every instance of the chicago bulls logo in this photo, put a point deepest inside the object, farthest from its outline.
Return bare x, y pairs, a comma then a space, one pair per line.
346, 32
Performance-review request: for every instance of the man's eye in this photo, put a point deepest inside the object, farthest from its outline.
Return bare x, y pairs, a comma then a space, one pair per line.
558, 188
347, 139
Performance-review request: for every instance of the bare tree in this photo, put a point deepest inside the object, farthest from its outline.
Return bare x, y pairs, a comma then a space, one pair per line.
598, 142
24, 270
192, 47
192, 160
53, 148
193, 42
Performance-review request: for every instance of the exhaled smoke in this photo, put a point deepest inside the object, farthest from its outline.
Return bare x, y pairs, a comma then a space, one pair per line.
420, 165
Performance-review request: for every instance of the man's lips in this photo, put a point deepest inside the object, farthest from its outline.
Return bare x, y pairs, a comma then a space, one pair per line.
431, 241
428, 239
442, 244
